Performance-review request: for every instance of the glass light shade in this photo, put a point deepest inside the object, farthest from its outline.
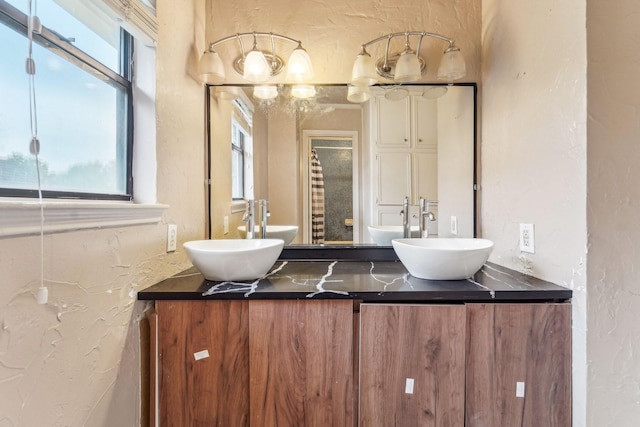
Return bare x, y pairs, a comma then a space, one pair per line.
435, 92
452, 65
256, 67
363, 72
265, 92
358, 93
299, 68
303, 91
396, 94
407, 67
211, 68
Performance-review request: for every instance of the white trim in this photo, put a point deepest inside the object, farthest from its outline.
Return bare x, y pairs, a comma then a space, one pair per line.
138, 18
145, 168
22, 218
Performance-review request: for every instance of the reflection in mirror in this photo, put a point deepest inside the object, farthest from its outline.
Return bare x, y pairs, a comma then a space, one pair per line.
335, 169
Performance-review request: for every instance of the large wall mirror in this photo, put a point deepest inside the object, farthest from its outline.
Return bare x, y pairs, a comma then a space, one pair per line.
340, 171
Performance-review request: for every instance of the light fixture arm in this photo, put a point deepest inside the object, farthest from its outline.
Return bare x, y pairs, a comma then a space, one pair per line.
273, 46
237, 36
386, 53
422, 34
420, 44
254, 34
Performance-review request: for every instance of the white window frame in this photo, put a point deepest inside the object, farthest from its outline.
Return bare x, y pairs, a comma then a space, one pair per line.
28, 216
243, 110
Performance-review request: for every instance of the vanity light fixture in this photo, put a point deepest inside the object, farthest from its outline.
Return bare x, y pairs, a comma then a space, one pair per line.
256, 65
406, 65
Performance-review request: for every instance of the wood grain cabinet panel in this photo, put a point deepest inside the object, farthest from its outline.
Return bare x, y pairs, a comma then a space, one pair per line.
412, 361
518, 365
291, 363
301, 363
203, 370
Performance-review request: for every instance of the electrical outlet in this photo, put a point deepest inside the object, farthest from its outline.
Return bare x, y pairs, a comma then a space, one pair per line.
225, 224
454, 225
172, 237
527, 239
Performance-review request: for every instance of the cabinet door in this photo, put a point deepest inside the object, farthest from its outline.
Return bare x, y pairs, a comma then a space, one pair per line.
301, 363
412, 365
394, 177
425, 122
392, 122
425, 176
203, 370
518, 365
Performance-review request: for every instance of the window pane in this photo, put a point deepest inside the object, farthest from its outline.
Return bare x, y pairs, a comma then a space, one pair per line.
88, 29
237, 178
81, 124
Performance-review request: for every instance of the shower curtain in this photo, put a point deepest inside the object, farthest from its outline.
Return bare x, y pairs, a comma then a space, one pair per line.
317, 199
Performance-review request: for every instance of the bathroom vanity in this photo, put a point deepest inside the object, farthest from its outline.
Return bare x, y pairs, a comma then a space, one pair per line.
343, 343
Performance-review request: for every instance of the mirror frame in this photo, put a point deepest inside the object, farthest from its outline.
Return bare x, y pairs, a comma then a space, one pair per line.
356, 251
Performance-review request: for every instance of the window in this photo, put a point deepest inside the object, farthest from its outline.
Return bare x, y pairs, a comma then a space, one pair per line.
241, 152
238, 137
83, 98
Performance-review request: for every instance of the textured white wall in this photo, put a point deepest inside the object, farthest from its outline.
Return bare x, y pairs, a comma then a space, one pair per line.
75, 361
612, 211
533, 149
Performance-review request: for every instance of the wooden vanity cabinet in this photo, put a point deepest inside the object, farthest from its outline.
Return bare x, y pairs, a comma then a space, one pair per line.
255, 363
474, 365
412, 365
203, 363
518, 365
301, 363
291, 363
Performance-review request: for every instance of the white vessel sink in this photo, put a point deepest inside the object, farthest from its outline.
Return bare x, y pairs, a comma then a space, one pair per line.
284, 232
443, 259
234, 259
384, 234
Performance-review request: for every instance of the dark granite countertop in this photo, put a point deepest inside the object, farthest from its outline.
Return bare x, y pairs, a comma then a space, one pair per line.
369, 281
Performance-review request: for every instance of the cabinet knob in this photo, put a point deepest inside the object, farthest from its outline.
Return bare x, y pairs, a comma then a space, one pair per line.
405, 140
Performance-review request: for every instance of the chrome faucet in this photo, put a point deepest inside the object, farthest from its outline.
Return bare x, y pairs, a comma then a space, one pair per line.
264, 214
249, 218
425, 214
406, 225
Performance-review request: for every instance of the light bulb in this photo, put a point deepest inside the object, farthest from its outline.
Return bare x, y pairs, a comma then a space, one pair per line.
265, 92
256, 67
303, 91
299, 68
